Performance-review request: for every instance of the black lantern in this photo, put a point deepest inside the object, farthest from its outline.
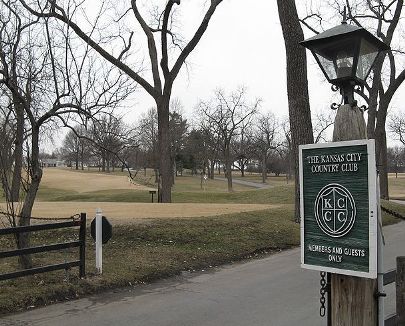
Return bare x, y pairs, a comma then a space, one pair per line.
346, 55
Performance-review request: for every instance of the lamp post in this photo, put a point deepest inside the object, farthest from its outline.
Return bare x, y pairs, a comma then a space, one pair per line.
346, 55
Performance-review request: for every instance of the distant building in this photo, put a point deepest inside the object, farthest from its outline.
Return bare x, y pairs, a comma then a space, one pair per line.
52, 163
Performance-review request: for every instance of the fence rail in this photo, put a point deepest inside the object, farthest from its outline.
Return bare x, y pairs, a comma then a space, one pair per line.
397, 276
81, 244
389, 277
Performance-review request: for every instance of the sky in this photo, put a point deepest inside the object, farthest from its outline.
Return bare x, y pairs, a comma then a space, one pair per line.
243, 46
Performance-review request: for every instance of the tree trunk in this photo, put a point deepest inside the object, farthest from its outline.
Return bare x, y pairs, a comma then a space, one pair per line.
228, 166
297, 85
264, 168
108, 162
376, 125
373, 97
353, 301
201, 180
103, 161
242, 167
82, 157
26, 210
77, 161
18, 152
212, 164
381, 151
156, 175
174, 174
165, 166
383, 167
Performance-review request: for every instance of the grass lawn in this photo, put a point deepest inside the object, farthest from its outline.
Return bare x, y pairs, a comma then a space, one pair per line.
397, 186
64, 185
274, 195
71, 185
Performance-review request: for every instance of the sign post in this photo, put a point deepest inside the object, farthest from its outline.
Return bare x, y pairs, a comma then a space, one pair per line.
99, 244
101, 232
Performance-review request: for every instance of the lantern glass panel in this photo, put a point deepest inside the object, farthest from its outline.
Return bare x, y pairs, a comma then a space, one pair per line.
337, 57
328, 66
367, 55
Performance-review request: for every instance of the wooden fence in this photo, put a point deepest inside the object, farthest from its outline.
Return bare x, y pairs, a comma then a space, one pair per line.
81, 244
398, 276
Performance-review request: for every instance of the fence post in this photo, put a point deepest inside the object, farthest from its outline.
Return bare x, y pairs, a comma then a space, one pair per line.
400, 287
82, 239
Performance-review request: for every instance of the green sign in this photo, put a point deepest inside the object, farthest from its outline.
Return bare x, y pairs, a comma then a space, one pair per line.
338, 208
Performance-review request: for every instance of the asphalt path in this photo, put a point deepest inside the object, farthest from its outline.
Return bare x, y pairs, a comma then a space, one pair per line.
247, 183
273, 291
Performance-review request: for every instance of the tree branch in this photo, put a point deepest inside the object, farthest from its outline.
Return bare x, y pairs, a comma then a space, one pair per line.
152, 48
194, 41
79, 32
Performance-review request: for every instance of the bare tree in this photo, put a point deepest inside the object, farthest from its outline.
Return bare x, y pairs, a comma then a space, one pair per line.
7, 136
265, 139
396, 126
396, 159
178, 128
209, 140
109, 137
74, 148
286, 150
45, 84
322, 122
297, 85
162, 30
228, 114
147, 135
244, 146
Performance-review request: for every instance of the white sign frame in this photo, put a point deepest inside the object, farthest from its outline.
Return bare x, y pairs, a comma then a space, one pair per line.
373, 212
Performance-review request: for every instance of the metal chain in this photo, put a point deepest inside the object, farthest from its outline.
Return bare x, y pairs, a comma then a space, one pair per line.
73, 217
393, 213
322, 291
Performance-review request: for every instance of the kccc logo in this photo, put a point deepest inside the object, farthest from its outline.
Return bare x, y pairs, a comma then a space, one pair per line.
335, 210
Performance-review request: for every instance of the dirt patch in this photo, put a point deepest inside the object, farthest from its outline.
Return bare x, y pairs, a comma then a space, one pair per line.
123, 213
86, 182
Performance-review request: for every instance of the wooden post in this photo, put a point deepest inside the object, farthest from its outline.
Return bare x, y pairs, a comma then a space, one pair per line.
400, 285
353, 301
82, 238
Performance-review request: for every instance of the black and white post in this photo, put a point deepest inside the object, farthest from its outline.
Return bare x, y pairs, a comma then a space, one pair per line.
99, 241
